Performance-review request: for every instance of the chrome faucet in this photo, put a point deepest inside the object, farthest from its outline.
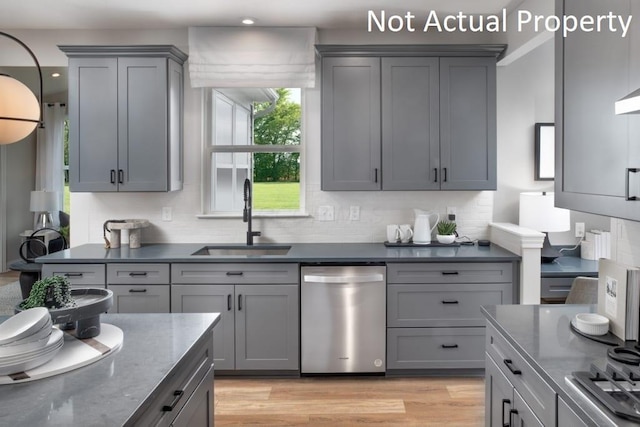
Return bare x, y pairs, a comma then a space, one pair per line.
246, 212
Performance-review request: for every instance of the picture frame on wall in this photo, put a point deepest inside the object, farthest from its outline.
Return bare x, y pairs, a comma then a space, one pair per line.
545, 151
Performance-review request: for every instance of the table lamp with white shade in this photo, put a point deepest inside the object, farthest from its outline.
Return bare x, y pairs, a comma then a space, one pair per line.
42, 204
538, 212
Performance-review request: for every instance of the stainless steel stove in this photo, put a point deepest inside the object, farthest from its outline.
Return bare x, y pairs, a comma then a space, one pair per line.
614, 383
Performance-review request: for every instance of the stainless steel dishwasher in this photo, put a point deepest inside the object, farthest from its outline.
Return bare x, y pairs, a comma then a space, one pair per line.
343, 326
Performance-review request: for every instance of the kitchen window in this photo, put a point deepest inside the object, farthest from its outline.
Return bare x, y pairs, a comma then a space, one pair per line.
252, 133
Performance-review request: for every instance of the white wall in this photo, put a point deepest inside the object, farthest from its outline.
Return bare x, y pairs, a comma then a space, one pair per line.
519, 107
526, 97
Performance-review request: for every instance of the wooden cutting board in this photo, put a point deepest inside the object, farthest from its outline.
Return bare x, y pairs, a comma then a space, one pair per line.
74, 354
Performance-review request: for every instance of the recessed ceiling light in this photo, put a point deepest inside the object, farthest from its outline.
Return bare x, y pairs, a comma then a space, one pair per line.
248, 21
55, 74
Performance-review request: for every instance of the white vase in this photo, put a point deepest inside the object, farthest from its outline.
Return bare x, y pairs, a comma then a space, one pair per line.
446, 238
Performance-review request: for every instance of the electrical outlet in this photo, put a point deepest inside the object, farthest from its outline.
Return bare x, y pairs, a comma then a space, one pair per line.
579, 229
325, 213
354, 213
167, 214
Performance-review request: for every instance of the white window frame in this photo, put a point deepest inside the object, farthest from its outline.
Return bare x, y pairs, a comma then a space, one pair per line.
208, 148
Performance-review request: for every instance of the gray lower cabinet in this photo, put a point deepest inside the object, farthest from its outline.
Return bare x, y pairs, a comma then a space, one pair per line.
505, 406
433, 312
567, 417
423, 121
185, 397
259, 306
139, 288
597, 155
79, 275
533, 401
131, 140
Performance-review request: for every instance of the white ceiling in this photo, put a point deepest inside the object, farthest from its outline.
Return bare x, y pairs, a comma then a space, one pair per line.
162, 14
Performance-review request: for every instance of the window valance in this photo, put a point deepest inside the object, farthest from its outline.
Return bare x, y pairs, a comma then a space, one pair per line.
252, 56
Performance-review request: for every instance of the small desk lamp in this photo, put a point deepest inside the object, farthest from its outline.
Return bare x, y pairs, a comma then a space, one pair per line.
42, 204
537, 211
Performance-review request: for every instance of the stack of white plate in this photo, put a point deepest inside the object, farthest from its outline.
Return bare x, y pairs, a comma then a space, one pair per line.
28, 340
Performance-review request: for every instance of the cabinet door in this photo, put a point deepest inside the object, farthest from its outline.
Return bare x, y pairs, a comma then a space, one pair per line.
410, 128
498, 395
523, 416
351, 124
140, 298
210, 299
468, 123
143, 127
198, 411
93, 124
267, 327
567, 417
594, 145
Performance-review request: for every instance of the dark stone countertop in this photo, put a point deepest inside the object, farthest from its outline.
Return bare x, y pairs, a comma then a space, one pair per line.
299, 253
542, 335
569, 266
109, 391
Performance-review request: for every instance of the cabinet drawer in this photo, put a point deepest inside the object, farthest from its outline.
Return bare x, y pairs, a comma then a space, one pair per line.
178, 387
140, 298
535, 391
443, 305
79, 275
143, 274
435, 348
555, 287
440, 272
234, 273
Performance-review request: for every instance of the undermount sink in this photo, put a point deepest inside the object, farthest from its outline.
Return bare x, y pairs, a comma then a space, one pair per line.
242, 250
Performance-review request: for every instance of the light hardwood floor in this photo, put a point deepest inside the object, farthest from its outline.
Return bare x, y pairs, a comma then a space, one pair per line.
8, 277
352, 401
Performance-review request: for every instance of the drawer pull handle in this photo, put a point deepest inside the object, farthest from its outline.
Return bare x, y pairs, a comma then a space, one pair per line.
513, 370
137, 291
450, 302
511, 414
449, 273
229, 302
112, 173
120, 176
234, 273
177, 395
505, 402
73, 274
138, 274
449, 346
240, 302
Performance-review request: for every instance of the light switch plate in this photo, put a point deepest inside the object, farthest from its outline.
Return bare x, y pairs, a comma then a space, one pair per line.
167, 214
354, 213
325, 213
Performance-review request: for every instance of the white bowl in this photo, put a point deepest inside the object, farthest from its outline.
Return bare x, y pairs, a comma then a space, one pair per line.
23, 324
592, 324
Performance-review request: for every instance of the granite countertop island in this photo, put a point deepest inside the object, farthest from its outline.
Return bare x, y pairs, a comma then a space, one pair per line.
117, 389
299, 253
542, 336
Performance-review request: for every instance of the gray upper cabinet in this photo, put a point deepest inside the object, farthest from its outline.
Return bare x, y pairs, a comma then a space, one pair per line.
409, 117
351, 124
595, 147
410, 129
125, 115
468, 123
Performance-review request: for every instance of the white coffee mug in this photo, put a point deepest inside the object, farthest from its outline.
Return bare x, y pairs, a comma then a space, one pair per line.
406, 233
393, 233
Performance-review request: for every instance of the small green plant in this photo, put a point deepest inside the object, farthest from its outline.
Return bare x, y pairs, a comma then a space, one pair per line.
446, 228
50, 292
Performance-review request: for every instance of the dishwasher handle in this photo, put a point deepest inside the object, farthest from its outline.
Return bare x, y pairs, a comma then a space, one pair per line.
365, 278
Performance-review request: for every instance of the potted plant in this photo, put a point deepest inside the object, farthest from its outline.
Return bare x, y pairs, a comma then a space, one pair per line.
50, 292
446, 231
